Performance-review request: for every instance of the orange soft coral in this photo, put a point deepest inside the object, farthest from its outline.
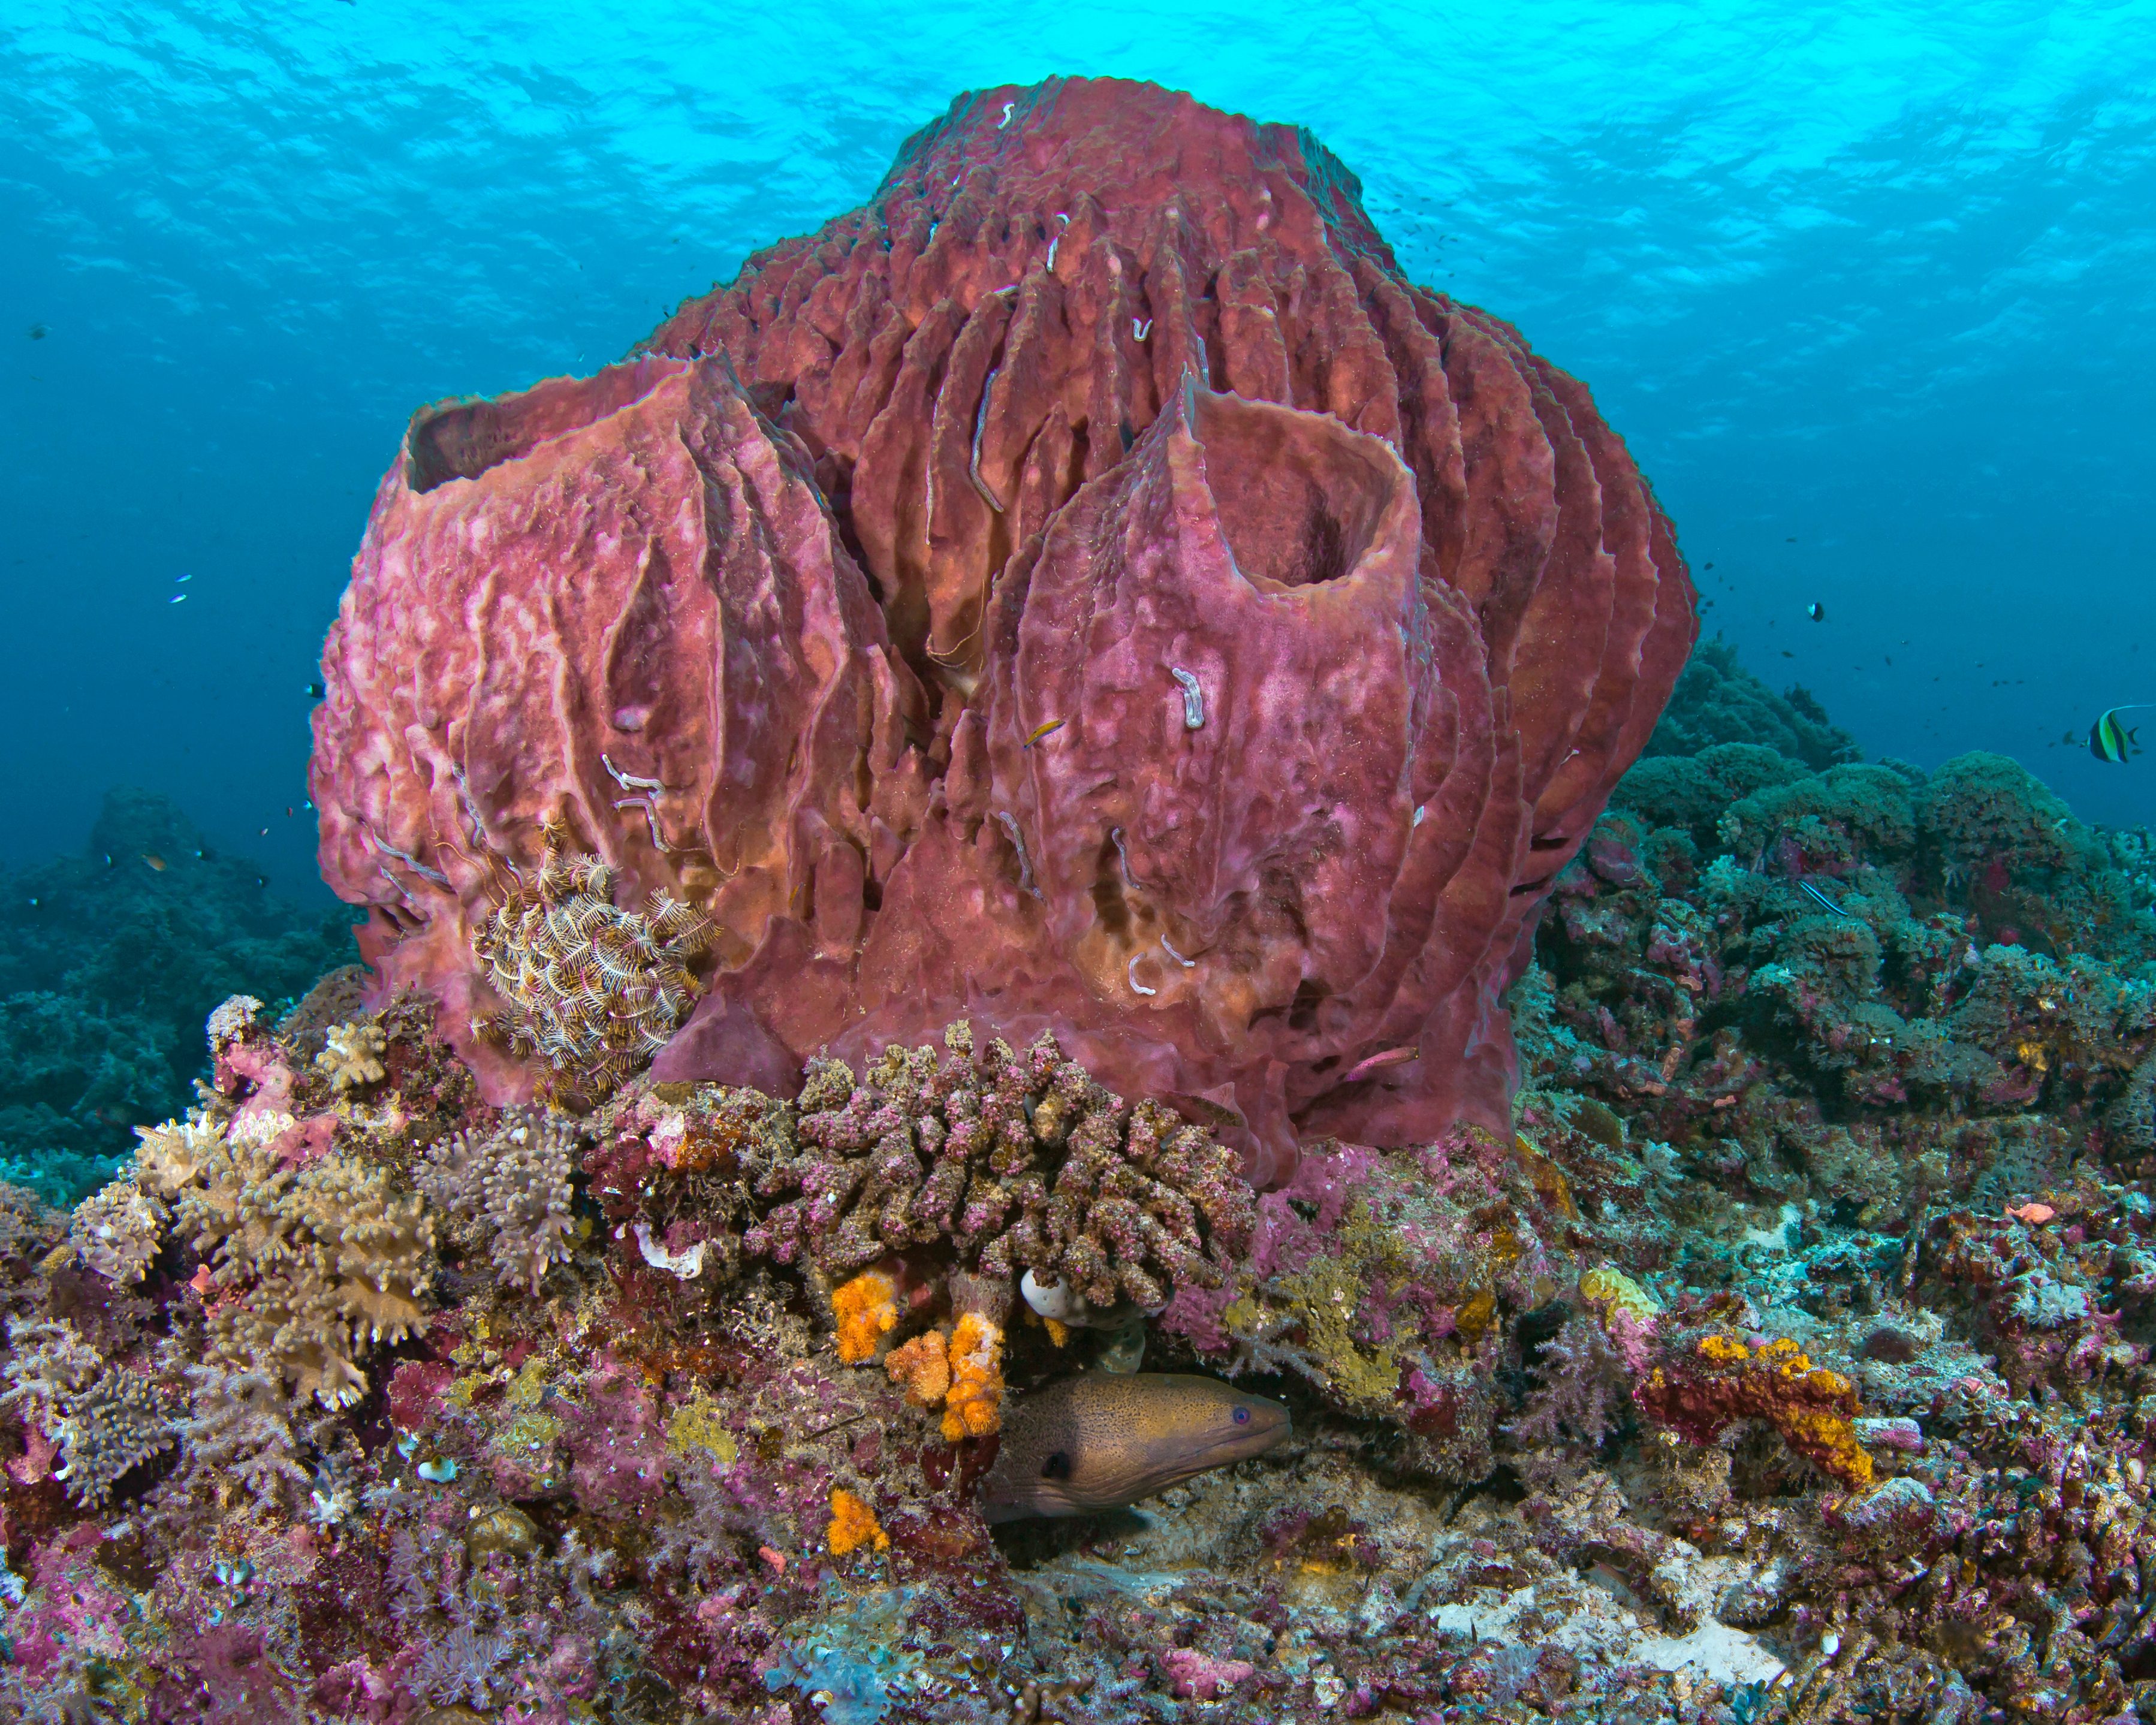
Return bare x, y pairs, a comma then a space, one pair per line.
866, 1309
923, 1366
974, 1406
1701, 1389
853, 1525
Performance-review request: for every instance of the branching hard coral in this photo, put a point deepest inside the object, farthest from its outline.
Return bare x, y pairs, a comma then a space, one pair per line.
118, 1421
237, 1429
49, 1364
103, 1419
230, 1021
352, 1056
118, 1231
1022, 1162
513, 1186
310, 1267
592, 990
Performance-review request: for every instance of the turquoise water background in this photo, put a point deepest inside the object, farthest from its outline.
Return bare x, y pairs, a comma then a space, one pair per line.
1869, 291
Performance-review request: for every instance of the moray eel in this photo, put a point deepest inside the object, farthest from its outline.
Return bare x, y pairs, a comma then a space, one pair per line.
1101, 1439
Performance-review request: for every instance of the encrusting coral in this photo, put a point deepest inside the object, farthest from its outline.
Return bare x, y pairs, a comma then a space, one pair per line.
1704, 1382
590, 989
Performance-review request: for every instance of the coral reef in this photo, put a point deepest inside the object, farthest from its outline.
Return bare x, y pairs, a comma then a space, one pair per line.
1021, 1162
109, 963
962, 593
512, 1186
1718, 704
1788, 1358
1779, 1350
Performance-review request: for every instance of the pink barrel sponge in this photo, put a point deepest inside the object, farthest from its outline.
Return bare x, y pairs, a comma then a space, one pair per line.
1087, 588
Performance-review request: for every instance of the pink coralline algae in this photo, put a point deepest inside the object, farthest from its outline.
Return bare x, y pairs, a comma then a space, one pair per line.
1200, 1676
1087, 588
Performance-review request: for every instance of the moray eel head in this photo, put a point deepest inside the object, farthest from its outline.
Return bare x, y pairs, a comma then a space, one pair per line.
1101, 1439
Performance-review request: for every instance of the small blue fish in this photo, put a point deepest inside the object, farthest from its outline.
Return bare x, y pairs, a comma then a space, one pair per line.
177, 597
1816, 612
2111, 741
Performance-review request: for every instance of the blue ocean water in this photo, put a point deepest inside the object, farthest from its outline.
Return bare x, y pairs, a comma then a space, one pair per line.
1869, 291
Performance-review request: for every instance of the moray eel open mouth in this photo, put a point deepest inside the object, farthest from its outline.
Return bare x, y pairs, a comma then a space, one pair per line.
1099, 1441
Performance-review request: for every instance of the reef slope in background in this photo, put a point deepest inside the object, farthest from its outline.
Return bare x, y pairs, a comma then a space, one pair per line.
1085, 588
109, 963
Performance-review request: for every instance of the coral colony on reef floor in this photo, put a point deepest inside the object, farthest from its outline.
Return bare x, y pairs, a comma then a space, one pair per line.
1008, 860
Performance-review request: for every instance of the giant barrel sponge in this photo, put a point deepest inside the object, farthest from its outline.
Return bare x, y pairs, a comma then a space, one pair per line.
1088, 587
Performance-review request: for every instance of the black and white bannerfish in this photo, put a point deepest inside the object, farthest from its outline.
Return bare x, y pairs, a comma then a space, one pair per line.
2111, 741
1816, 612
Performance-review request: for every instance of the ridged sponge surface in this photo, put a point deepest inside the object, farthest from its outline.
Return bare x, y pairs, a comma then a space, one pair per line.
1088, 587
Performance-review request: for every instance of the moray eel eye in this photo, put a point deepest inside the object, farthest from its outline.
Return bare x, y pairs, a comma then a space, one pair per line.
1242, 1416
1057, 1466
